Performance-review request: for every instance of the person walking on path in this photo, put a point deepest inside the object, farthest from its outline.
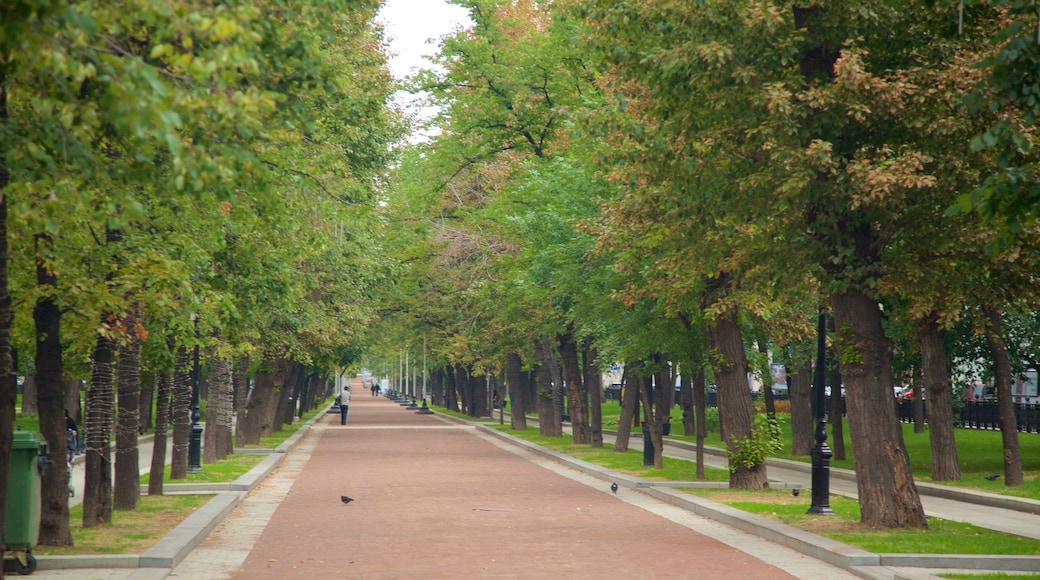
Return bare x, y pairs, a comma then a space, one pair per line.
344, 403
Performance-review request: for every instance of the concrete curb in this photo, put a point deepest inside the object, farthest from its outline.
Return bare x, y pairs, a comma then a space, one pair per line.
1020, 504
159, 560
860, 562
180, 541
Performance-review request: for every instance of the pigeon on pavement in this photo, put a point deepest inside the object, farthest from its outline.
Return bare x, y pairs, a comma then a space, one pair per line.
613, 487
346, 499
992, 477
796, 491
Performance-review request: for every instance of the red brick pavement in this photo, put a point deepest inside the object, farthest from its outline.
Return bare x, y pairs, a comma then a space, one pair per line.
433, 500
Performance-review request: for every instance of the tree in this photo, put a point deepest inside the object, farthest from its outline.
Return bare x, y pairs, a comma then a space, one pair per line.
127, 483
1008, 197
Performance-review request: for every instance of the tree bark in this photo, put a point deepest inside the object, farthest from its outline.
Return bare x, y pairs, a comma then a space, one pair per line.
594, 386
887, 493
1005, 405
802, 421
274, 413
73, 402
50, 403
219, 411
30, 400
767, 381
8, 376
514, 380
263, 389
146, 402
686, 402
629, 407
557, 383
97, 495
936, 380
577, 394
549, 424
240, 382
128, 468
180, 414
660, 406
700, 387
163, 389
736, 410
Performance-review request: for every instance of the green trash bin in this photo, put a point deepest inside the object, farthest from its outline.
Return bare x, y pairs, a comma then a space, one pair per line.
22, 524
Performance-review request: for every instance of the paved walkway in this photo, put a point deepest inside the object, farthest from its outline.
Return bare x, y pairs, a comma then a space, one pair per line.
438, 499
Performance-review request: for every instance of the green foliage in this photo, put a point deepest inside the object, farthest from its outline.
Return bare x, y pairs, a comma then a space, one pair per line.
751, 452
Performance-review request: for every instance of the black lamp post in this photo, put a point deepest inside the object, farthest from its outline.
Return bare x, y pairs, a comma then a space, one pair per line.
821, 453
195, 443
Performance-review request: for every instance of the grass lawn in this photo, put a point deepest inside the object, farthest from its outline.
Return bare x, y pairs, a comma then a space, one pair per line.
226, 470
941, 537
630, 462
131, 531
990, 576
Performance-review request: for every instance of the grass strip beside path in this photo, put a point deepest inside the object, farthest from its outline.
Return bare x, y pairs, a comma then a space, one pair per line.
941, 536
131, 531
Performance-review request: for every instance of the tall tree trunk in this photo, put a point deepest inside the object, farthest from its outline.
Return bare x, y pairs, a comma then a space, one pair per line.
128, 468
73, 402
887, 494
100, 406
8, 376
180, 413
30, 400
451, 400
657, 403
577, 393
146, 403
917, 399
700, 387
553, 363
514, 380
50, 402
686, 401
936, 380
240, 381
274, 412
263, 391
767, 381
594, 385
163, 390
549, 424
736, 411
219, 411
1005, 404
629, 406
802, 421
464, 391
286, 390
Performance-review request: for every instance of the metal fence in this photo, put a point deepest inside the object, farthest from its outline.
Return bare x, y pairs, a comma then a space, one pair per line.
981, 415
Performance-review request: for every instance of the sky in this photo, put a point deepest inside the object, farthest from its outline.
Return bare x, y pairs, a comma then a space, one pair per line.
414, 28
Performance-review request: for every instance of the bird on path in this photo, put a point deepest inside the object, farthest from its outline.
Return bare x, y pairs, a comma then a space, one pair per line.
796, 491
345, 499
992, 477
613, 487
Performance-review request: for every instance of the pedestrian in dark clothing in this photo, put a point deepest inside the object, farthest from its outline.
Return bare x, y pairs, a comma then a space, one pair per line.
344, 403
